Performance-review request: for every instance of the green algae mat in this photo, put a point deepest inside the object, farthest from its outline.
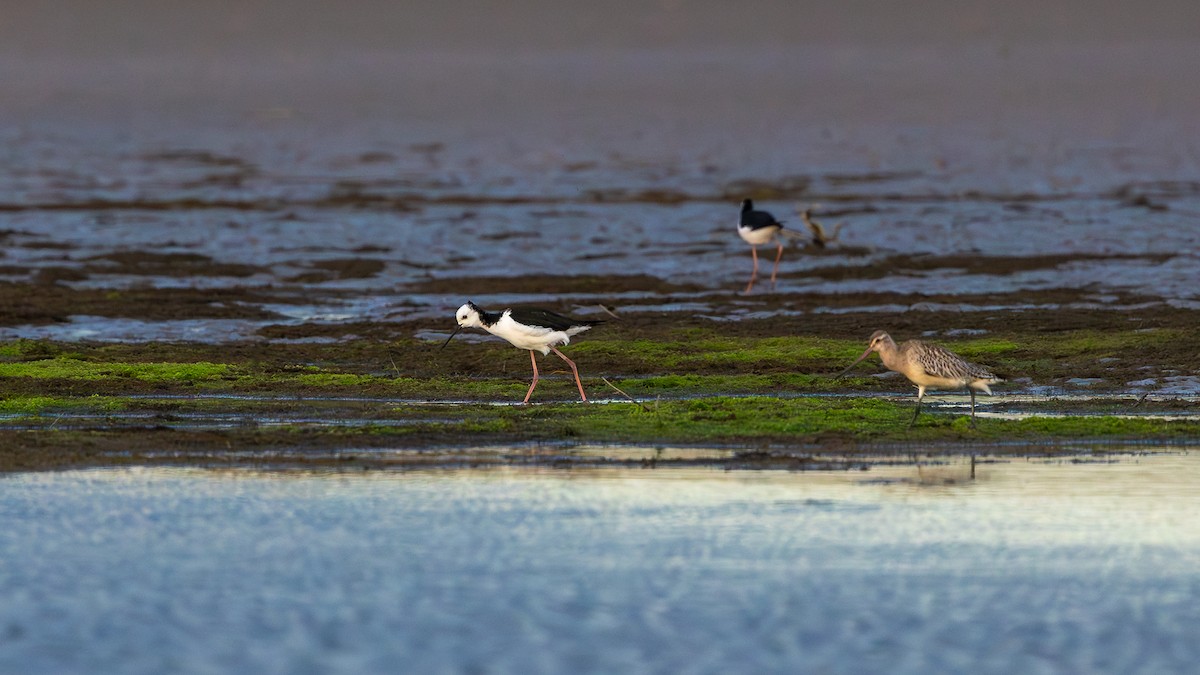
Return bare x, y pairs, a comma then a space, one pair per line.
94, 404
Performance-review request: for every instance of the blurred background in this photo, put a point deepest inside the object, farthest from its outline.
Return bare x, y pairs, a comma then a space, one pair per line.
1028, 94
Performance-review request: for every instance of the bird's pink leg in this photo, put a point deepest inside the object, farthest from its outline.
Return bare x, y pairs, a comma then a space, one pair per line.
754, 274
573, 370
776, 268
533, 360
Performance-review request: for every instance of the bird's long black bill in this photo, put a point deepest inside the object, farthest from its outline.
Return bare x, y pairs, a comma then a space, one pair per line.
851, 366
450, 338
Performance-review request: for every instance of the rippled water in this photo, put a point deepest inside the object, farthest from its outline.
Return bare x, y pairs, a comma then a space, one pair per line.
1036, 566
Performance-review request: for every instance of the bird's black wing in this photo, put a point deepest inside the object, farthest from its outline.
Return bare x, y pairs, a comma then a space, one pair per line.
533, 316
756, 220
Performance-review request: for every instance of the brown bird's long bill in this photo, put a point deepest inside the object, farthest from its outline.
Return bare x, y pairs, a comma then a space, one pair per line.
450, 338
856, 362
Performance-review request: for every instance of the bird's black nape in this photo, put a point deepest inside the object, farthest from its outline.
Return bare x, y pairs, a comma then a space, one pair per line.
747, 205
485, 317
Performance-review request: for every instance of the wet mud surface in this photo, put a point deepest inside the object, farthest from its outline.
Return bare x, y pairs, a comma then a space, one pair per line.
294, 340
328, 353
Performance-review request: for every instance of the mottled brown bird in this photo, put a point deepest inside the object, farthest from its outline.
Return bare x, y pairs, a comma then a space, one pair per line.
929, 367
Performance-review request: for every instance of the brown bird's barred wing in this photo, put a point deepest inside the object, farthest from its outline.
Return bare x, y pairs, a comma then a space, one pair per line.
941, 362
978, 372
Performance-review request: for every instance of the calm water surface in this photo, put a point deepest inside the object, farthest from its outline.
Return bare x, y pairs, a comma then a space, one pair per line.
1037, 566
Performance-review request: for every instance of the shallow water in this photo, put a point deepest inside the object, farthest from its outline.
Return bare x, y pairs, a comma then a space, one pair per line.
1035, 566
689, 243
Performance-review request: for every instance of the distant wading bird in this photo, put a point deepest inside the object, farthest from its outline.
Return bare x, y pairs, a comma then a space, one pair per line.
929, 367
820, 236
757, 228
537, 330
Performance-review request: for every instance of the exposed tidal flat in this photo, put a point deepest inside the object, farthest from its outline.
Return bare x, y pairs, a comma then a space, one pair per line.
764, 399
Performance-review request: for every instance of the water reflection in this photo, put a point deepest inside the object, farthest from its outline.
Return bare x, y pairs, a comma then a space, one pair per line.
1081, 564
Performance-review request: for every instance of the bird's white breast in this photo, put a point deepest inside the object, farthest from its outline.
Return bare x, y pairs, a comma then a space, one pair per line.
760, 236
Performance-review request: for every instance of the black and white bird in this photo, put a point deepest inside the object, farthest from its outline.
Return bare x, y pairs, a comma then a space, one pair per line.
758, 228
538, 330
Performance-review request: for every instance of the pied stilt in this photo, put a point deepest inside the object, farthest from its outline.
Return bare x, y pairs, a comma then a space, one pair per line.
537, 330
758, 228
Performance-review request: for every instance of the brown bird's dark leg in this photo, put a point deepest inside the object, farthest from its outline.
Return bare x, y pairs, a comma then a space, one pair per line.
920, 395
972, 392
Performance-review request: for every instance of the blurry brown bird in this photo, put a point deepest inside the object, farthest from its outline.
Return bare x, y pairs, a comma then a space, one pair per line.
821, 238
